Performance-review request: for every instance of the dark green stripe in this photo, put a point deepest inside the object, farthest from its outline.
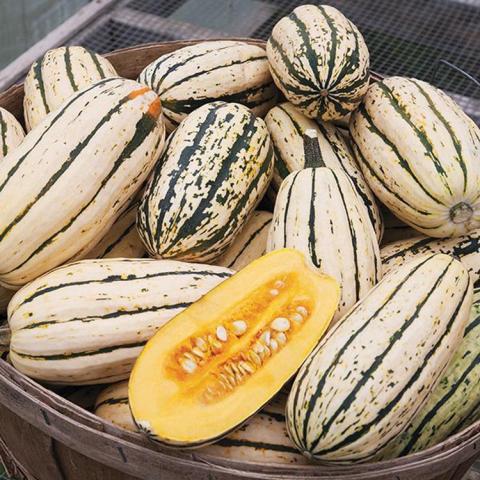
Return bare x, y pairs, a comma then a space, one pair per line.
91, 353
456, 143
249, 241
143, 128
428, 417
277, 417
96, 62
231, 442
287, 207
421, 135
38, 76
113, 401
307, 413
57, 117
3, 132
118, 240
122, 278
312, 240
333, 47
68, 69
383, 412
107, 316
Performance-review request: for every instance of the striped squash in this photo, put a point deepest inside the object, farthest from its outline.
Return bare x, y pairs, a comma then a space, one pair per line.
86, 322
122, 240
83, 179
465, 247
369, 376
319, 213
58, 75
287, 125
11, 133
249, 244
224, 70
419, 153
262, 439
212, 174
454, 399
319, 61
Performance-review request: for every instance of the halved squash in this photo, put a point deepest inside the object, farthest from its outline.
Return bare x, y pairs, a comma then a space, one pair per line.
218, 362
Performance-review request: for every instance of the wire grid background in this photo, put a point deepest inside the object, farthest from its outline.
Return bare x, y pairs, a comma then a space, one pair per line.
407, 37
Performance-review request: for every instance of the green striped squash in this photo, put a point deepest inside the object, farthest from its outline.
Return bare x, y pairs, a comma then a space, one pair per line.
69, 189
454, 399
465, 247
319, 213
287, 125
262, 439
11, 133
319, 61
249, 244
212, 174
122, 240
419, 153
225, 70
86, 322
58, 75
375, 369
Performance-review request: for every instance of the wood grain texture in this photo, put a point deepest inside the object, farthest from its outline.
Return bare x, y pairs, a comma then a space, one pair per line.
53, 439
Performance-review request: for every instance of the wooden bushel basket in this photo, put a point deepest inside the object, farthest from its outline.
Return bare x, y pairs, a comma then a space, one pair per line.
45, 437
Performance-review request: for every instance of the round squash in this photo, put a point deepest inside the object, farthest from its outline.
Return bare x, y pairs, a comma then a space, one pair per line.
218, 362
319, 61
420, 155
212, 174
58, 75
223, 70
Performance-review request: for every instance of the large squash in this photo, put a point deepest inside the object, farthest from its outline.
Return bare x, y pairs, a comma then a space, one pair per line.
221, 360
86, 322
420, 155
65, 185
320, 62
225, 70
214, 171
375, 369
57, 76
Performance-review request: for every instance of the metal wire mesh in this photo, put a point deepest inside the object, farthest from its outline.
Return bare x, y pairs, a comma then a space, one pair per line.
408, 37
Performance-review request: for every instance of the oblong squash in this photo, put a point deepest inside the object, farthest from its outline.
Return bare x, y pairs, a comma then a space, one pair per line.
249, 244
214, 171
224, 70
287, 126
228, 354
122, 240
452, 401
319, 213
375, 369
262, 439
11, 133
419, 153
58, 75
319, 61
86, 322
83, 179
466, 248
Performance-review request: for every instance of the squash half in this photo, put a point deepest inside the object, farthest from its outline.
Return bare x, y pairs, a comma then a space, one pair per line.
219, 361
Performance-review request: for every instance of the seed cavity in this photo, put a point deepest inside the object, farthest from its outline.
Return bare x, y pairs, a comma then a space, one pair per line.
222, 333
280, 324
239, 327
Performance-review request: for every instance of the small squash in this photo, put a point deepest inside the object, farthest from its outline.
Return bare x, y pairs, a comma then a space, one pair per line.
11, 133
225, 356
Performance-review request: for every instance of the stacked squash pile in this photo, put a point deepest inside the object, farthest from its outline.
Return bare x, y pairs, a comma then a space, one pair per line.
382, 340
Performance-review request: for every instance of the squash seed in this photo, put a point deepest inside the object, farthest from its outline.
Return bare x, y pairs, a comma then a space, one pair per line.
265, 337
273, 344
280, 324
302, 311
239, 327
196, 351
296, 317
222, 333
281, 338
201, 344
274, 292
255, 358
188, 365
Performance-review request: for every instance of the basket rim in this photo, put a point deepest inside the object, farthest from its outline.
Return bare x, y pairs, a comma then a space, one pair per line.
49, 410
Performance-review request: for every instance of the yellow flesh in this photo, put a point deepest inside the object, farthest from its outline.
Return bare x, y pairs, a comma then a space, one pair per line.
182, 408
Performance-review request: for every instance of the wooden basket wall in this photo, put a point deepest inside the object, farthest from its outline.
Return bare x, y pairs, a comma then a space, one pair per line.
45, 437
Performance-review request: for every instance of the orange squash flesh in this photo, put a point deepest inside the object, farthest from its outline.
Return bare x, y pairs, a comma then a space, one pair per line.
220, 360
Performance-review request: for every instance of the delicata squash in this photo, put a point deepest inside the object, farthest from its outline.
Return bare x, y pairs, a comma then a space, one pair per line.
218, 362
